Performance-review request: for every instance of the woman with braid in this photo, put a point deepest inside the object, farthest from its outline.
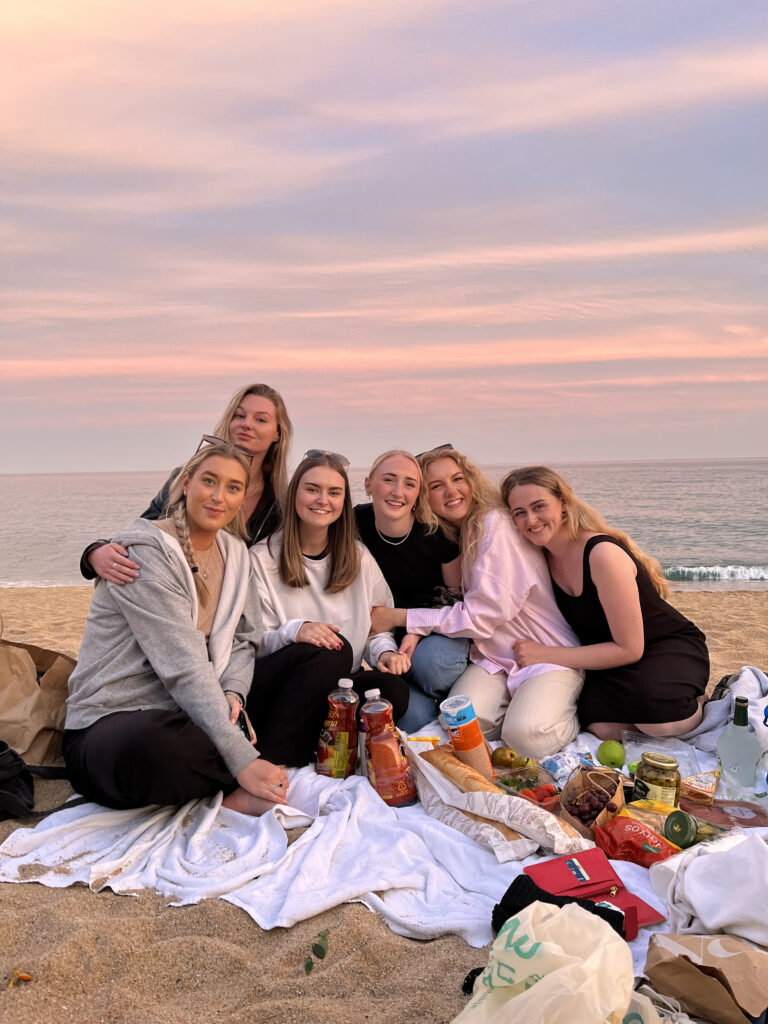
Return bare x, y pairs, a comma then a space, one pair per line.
166, 664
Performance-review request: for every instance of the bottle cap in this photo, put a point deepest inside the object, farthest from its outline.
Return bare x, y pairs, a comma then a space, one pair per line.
370, 694
345, 684
658, 760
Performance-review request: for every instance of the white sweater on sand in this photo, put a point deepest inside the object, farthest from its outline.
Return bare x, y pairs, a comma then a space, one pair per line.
284, 608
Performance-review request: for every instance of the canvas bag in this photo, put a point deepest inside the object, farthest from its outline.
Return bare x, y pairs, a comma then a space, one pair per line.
562, 966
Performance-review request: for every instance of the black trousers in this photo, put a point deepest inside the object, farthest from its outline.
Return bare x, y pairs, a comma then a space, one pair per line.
136, 758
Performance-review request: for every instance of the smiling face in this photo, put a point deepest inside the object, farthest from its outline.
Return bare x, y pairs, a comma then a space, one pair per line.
536, 513
320, 497
254, 424
214, 494
448, 490
394, 487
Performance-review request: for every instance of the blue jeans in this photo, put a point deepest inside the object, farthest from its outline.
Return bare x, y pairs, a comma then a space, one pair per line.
437, 663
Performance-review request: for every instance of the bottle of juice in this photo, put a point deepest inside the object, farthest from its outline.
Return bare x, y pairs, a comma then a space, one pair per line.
337, 746
388, 768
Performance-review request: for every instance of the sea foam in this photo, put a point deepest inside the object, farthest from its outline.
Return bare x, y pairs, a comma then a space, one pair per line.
716, 572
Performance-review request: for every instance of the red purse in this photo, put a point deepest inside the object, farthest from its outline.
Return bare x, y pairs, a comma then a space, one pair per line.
589, 875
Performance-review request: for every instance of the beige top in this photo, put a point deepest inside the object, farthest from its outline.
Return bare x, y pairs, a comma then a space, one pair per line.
211, 567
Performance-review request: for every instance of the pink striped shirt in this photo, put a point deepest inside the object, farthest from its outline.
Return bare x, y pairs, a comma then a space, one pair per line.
507, 597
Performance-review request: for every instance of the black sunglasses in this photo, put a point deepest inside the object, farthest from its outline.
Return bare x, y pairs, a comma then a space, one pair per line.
434, 451
318, 453
209, 439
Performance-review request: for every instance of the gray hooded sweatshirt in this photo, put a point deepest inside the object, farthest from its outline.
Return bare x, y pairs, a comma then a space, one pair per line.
141, 649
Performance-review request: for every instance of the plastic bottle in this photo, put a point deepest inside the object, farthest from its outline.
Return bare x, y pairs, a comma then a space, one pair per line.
387, 766
337, 746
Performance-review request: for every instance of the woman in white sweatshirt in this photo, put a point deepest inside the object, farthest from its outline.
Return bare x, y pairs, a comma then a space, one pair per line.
317, 584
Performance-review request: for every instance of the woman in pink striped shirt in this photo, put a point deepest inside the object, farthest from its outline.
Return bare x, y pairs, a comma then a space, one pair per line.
507, 596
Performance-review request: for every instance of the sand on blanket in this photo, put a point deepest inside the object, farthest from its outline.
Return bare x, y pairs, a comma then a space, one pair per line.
100, 957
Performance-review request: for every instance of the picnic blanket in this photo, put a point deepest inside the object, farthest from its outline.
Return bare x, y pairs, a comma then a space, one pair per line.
424, 878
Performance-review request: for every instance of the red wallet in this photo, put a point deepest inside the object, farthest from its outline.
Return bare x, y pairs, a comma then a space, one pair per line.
590, 876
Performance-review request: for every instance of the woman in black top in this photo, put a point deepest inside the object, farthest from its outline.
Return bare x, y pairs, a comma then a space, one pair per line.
647, 666
419, 563
255, 420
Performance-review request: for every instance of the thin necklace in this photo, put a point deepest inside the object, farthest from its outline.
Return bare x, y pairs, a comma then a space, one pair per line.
204, 569
393, 543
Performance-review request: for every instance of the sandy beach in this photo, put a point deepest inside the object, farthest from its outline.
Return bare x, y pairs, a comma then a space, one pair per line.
101, 957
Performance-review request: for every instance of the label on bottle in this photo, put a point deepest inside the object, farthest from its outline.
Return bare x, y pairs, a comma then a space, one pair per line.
646, 791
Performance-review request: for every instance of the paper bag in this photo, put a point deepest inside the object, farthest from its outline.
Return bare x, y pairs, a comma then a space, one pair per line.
561, 966
718, 977
31, 713
443, 799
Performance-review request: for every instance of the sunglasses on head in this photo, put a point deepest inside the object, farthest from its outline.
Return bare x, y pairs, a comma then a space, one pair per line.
209, 439
318, 453
434, 451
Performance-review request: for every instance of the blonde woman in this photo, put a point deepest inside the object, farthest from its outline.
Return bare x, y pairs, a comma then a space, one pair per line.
255, 420
166, 665
421, 565
317, 584
647, 666
507, 595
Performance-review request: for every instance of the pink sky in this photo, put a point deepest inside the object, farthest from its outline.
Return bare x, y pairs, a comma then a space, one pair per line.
538, 231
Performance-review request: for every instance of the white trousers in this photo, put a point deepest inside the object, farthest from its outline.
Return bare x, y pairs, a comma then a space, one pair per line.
538, 719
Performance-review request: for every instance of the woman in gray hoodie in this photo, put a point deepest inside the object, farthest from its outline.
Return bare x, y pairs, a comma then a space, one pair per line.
166, 664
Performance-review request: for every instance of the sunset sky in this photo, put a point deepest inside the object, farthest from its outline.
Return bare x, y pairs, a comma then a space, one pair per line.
537, 230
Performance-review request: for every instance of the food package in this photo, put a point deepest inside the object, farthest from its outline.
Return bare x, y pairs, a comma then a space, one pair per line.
700, 788
591, 780
728, 813
717, 977
463, 799
626, 838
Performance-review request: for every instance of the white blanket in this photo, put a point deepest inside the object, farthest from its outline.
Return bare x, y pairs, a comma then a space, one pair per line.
424, 878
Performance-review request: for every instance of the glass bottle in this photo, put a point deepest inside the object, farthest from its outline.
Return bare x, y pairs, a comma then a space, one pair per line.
739, 750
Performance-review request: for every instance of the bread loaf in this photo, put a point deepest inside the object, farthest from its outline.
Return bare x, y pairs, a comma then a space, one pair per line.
461, 775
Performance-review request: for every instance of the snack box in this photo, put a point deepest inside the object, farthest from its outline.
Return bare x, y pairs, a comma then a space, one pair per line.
700, 788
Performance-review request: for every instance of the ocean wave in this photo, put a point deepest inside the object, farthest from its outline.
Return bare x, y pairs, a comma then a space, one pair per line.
716, 572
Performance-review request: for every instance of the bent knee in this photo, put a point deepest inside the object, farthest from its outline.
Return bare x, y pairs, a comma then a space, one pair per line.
538, 739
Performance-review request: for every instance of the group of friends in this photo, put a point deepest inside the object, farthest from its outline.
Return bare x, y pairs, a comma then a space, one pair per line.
225, 615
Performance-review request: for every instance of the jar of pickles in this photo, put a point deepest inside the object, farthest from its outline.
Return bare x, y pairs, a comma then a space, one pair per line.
657, 777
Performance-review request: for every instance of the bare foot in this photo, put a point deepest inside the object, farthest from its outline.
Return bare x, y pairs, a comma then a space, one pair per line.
246, 803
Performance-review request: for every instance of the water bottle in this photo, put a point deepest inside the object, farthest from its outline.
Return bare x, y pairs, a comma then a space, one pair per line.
387, 766
337, 746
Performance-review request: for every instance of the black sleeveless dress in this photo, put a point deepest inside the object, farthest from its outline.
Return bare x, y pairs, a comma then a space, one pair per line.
672, 672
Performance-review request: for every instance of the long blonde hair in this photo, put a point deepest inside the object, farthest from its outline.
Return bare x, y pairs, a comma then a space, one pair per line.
275, 464
578, 517
342, 535
176, 508
485, 496
421, 509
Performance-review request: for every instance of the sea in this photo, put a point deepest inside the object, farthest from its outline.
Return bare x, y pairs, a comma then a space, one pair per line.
705, 520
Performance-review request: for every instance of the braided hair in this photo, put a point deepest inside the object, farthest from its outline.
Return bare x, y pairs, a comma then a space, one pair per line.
177, 505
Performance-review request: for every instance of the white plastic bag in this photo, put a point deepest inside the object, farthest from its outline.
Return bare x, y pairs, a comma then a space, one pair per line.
559, 966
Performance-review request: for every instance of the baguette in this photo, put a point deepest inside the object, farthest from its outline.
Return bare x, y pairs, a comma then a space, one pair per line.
461, 775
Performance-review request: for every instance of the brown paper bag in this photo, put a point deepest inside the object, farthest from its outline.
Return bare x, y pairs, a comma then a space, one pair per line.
31, 713
717, 977
605, 779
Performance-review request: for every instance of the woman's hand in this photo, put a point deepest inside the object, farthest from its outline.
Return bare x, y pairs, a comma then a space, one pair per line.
111, 562
528, 652
235, 710
321, 634
265, 780
384, 620
408, 646
393, 663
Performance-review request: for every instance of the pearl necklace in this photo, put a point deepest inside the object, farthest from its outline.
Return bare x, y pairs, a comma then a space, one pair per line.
393, 543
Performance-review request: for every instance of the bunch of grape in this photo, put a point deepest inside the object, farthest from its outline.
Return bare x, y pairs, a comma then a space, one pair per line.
588, 805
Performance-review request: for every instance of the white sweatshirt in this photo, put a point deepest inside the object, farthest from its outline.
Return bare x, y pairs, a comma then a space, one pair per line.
284, 609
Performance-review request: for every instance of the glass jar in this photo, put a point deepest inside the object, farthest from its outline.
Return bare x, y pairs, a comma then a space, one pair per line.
657, 777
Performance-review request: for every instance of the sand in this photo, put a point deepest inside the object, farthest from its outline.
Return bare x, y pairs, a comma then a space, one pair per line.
100, 957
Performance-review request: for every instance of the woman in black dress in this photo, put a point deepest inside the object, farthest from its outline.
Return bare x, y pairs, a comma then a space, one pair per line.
647, 666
